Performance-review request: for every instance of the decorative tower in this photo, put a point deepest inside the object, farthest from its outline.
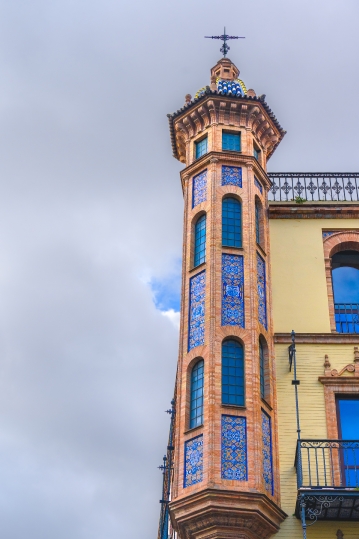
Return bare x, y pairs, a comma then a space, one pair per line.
226, 473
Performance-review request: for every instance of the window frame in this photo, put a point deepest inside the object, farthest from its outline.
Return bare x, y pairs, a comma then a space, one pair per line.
238, 201
240, 344
197, 144
197, 235
194, 365
232, 134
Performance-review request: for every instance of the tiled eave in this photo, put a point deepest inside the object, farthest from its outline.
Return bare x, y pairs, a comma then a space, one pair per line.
314, 210
210, 93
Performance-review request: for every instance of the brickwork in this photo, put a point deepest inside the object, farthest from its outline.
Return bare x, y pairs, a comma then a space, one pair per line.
230, 496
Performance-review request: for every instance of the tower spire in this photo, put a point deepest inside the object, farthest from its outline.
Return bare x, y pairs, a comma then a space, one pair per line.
224, 37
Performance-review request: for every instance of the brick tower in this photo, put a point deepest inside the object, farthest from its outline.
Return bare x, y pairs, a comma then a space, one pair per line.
226, 473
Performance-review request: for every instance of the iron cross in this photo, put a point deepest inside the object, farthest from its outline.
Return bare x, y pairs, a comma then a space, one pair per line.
225, 48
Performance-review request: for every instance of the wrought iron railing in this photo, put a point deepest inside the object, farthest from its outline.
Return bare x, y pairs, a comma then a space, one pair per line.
327, 464
347, 317
314, 186
165, 530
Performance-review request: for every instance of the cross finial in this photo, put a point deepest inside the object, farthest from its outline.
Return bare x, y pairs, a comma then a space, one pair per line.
225, 48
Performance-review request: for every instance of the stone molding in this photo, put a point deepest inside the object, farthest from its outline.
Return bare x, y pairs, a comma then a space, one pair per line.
214, 514
335, 383
315, 210
339, 241
317, 338
231, 112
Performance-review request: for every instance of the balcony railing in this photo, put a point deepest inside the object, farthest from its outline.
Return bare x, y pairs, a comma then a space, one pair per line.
347, 317
314, 186
328, 479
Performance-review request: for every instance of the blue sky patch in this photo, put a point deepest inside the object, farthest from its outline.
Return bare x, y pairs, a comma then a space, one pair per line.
346, 285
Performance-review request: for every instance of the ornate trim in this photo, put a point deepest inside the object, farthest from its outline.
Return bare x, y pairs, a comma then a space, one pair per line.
341, 240
231, 514
317, 338
334, 382
318, 210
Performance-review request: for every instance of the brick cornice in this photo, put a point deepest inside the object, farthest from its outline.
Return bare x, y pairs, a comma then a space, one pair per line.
227, 158
316, 210
317, 338
226, 514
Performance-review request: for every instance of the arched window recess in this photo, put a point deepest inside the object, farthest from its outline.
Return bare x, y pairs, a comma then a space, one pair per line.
345, 282
231, 222
232, 373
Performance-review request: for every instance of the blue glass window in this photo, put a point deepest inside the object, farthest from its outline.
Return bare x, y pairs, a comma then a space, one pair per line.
196, 408
231, 141
262, 369
258, 223
231, 223
232, 373
256, 153
201, 147
200, 241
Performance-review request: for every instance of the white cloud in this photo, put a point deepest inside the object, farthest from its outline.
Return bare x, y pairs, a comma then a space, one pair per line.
173, 316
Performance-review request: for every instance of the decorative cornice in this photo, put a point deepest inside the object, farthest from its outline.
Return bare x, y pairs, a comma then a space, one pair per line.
213, 108
227, 158
316, 210
215, 514
317, 338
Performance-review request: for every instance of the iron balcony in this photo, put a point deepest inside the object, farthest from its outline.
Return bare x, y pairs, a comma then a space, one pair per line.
327, 479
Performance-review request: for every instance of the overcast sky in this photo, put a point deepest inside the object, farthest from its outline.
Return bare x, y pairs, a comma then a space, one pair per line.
91, 228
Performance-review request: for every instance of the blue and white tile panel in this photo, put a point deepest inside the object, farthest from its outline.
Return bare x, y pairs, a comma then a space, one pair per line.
234, 448
267, 453
199, 188
232, 176
232, 290
197, 293
193, 461
261, 291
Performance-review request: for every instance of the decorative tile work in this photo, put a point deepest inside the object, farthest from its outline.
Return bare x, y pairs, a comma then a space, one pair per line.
193, 461
267, 453
261, 288
234, 448
327, 233
258, 184
197, 289
232, 176
232, 290
199, 188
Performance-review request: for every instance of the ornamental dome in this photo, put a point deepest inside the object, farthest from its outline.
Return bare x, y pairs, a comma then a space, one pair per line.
224, 80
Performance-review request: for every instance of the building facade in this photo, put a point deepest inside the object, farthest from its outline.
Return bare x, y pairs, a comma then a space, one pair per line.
243, 461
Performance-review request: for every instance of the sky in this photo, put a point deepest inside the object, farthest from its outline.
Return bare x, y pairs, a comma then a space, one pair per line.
91, 228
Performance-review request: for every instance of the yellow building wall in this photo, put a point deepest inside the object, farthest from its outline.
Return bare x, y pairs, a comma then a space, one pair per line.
310, 360
300, 299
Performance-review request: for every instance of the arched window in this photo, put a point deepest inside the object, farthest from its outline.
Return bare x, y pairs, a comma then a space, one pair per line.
262, 370
231, 222
232, 373
258, 223
196, 406
200, 241
345, 279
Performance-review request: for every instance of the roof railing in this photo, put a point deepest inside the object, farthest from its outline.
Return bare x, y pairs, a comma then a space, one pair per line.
314, 186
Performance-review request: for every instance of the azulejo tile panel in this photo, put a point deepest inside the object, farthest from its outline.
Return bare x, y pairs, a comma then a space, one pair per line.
193, 461
197, 293
261, 289
199, 188
267, 453
232, 290
258, 184
234, 448
328, 233
232, 176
